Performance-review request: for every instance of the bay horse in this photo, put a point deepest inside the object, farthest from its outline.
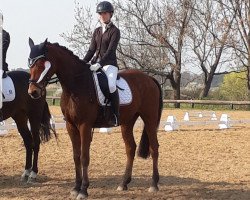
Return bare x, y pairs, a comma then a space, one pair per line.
80, 108
24, 109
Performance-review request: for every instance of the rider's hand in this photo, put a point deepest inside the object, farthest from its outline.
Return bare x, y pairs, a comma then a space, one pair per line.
95, 67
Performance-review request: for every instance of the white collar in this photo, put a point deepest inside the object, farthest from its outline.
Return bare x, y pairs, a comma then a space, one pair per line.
106, 26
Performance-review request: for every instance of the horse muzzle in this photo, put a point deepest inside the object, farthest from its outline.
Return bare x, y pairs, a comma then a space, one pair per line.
36, 91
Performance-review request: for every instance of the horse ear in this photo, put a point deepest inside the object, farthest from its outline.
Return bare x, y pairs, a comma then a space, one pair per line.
44, 43
31, 43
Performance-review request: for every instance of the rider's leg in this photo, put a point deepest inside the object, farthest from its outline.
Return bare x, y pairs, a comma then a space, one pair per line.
4, 74
5, 69
1, 115
111, 72
114, 97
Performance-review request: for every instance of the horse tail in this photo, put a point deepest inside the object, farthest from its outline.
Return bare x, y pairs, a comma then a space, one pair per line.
160, 101
46, 127
143, 150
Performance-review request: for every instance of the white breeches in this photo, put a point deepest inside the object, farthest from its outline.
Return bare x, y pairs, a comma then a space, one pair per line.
111, 72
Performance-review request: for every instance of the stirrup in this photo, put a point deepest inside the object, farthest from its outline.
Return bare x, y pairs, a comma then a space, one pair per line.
114, 121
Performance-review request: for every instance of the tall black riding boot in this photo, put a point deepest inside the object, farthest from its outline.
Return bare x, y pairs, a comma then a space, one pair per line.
1, 115
4, 74
115, 119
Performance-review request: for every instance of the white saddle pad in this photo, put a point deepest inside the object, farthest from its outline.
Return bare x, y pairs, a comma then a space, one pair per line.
8, 90
125, 95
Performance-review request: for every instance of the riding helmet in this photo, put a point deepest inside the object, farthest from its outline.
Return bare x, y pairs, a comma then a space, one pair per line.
104, 6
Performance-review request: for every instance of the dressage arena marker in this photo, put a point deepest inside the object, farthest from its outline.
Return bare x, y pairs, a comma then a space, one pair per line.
171, 124
58, 122
105, 130
224, 123
207, 114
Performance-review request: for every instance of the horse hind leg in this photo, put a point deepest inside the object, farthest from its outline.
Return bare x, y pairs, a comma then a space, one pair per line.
21, 122
151, 145
128, 137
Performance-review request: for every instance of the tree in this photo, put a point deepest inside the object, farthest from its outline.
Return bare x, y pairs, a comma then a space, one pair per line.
208, 32
240, 40
154, 35
80, 37
234, 87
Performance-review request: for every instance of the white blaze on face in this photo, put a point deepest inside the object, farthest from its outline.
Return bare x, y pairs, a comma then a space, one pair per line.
47, 66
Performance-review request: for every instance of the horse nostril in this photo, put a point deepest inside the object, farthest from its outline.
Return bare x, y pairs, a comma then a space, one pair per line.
34, 94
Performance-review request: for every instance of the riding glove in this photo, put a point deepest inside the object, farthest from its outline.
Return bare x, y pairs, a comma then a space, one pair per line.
95, 67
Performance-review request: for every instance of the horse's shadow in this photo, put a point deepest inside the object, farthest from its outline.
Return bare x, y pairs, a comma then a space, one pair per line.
170, 187
15, 181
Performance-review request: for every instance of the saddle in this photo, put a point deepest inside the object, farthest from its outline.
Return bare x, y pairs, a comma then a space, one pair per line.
102, 89
103, 95
8, 89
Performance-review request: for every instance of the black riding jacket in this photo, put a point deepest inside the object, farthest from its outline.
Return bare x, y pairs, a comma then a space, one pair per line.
6, 42
104, 46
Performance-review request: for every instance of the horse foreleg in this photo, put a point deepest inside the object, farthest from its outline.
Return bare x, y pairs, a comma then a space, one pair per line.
36, 147
23, 129
86, 138
127, 134
76, 144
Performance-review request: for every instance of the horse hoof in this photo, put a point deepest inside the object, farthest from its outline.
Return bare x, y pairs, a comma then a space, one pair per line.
81, 196
31, 180
122, 188
73, 194
25, 175
24, 179
153, 189
32, 177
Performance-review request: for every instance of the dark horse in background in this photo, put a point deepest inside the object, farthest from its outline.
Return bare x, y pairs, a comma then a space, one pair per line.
23, 109
81, 110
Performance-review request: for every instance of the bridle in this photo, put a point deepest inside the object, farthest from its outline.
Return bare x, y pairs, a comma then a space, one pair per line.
39, 86
42, 87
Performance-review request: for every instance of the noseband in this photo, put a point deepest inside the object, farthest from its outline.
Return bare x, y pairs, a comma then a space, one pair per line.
39, 86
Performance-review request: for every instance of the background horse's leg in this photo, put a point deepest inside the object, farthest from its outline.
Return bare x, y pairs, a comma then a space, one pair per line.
128, 137
21, 122
86, 138
76, 144
35, 126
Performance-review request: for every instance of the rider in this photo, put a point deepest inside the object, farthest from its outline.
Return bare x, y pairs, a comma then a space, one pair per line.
5, 46
104, 44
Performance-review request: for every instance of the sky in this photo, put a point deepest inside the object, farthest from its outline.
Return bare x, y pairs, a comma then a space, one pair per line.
38, 19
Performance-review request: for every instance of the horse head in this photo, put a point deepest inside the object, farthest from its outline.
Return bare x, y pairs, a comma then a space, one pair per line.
41, 69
